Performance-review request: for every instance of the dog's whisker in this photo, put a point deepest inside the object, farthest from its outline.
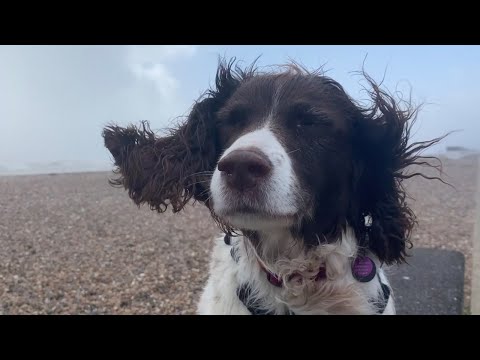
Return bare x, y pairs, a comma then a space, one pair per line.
201, 182
206, 191
201, 173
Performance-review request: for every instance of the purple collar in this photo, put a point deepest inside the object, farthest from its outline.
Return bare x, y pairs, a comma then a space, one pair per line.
277, 281
363, 270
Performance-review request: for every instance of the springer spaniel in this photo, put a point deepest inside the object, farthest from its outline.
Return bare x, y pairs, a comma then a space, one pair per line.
305, 183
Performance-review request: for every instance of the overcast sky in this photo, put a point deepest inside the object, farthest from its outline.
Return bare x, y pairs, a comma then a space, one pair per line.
54, 100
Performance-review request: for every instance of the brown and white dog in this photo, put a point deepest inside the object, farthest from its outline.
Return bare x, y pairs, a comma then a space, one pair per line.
305, 183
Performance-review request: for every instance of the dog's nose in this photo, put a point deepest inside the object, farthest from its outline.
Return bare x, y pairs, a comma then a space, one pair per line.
244, 169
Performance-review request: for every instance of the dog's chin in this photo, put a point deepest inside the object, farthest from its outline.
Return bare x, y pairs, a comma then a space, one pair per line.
253, 220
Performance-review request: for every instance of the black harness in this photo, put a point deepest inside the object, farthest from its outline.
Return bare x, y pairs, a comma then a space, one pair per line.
254, 307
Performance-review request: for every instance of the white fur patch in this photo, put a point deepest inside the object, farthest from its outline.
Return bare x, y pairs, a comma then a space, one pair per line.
279, 191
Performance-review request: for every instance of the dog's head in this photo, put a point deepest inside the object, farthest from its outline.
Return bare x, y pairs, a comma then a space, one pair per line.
283, 149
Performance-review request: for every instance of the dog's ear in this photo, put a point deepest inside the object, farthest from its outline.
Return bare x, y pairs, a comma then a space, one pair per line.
171, 169
382, 154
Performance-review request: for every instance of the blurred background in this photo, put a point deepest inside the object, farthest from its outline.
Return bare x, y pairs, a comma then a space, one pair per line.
69, 243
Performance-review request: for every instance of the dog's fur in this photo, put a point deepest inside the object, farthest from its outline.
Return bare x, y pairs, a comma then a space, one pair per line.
333, 162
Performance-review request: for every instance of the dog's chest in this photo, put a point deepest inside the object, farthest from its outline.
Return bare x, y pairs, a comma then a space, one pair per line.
238, 285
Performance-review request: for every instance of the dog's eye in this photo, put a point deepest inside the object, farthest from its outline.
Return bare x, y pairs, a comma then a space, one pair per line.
304, 116
235, 117
306, 120
312, 120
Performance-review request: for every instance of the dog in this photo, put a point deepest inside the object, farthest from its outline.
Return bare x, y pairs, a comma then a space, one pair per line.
304, 182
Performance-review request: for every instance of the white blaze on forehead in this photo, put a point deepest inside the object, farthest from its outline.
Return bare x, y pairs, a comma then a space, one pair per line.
278, 191
262, 139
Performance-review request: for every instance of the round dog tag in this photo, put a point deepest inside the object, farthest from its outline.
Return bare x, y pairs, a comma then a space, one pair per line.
363, 269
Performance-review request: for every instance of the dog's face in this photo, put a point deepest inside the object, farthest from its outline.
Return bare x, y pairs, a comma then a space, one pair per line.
286, 153
287, 149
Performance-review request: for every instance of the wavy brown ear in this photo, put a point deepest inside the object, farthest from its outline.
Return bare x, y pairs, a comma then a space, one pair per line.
172, 169
383, 155
161, 171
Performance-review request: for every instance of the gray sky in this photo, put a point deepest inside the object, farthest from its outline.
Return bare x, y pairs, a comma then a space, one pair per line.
54, 100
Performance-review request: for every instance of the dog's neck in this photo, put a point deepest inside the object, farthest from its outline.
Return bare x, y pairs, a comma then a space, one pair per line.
297, 267
273, 244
